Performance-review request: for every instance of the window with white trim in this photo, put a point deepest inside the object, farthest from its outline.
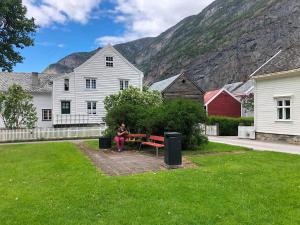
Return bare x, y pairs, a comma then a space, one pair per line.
46, 114
90, 83
92, 107
124, 84
283, 106
109, 61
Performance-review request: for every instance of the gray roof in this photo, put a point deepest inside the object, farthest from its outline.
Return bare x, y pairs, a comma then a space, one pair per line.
244, 88
162, 85
34, 83
231, 87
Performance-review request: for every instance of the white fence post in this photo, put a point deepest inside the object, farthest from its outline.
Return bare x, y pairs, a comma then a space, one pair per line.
209, 130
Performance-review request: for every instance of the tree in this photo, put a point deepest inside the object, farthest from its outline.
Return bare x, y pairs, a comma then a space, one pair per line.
127, 106
133, 96
248, 102
16, 31
17, 109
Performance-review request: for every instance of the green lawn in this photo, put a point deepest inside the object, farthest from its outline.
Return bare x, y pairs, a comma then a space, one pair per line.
54, 183
211, 147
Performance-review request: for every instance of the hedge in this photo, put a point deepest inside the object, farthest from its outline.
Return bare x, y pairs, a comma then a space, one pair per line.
228, 126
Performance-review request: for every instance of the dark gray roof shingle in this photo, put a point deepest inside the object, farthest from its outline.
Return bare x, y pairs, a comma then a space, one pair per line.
33, 83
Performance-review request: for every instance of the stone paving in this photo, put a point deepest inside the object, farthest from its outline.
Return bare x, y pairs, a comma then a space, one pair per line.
128, 162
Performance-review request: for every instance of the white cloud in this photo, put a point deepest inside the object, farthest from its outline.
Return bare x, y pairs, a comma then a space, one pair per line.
144, 18
47, 12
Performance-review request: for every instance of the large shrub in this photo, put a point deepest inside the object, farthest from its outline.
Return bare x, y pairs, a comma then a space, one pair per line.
146, 112
180, 115
128, 106
228, 126
184, 116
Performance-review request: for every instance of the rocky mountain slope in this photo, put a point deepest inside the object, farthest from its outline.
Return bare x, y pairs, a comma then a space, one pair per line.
224, 43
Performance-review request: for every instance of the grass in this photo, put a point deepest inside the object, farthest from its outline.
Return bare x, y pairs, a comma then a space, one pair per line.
210, 147
54, 183
92, 144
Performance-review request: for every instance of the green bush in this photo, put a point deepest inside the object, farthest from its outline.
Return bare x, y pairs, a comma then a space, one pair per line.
128, 105
228, 126
181, 115
153, 116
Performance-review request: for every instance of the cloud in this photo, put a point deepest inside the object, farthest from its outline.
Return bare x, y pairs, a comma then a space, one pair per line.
50, 44
143, 18
48, 12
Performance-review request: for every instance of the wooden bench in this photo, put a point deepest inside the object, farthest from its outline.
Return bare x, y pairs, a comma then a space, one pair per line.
135, 138
155, 141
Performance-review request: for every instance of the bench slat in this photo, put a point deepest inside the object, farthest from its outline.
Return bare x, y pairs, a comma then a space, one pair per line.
157, 138
153, 144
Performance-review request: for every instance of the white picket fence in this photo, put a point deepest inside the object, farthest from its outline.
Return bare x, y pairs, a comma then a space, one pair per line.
50, 133
209, 130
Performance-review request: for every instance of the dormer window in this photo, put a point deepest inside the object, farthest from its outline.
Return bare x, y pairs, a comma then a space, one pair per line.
67, 84
109, 61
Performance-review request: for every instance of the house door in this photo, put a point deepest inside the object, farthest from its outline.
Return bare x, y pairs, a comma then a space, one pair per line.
65, 107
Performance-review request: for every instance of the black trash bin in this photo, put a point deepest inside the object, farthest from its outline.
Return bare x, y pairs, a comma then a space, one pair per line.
105, 142
173, 157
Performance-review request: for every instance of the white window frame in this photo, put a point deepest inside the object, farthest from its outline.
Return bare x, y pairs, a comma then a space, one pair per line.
90, 83
91, 107
47, 113
284, 107
124, 84
109, 61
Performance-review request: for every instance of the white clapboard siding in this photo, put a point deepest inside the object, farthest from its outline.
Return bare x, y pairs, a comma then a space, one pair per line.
107, 82
50, 133
265, 105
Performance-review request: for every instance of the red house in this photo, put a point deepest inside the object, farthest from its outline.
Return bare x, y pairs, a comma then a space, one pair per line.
222, 103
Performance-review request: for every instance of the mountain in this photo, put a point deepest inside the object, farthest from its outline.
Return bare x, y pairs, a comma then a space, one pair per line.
224, 43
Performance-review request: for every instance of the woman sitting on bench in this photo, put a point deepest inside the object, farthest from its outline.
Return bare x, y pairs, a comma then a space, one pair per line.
120, 138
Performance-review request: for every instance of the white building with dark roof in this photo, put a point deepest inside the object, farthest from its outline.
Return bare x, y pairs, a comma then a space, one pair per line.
77, 98
277, 104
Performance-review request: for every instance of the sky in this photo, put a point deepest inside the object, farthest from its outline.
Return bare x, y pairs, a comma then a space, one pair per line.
67, 26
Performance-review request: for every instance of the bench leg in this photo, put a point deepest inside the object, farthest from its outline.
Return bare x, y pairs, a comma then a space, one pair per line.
140, 147
156, 151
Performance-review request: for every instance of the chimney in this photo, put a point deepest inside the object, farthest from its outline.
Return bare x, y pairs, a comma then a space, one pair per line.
35, 79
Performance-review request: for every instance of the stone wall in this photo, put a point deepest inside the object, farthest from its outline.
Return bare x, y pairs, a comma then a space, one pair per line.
291, 139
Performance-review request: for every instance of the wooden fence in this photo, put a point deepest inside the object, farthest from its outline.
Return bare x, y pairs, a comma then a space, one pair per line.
50, 133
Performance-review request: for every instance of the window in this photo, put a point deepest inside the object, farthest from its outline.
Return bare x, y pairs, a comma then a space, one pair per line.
283, 109
91, 107
67, 84
46, 114
124, 84
109, 61
65, 107
90, 83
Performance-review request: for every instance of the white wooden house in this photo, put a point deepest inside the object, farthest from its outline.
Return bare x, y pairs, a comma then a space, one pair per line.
277, 106
77, 98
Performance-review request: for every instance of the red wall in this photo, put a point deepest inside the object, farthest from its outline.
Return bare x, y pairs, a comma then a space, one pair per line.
224, 105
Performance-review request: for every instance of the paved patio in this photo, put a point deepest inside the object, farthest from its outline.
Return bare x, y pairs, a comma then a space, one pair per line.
128, 162
258, 145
